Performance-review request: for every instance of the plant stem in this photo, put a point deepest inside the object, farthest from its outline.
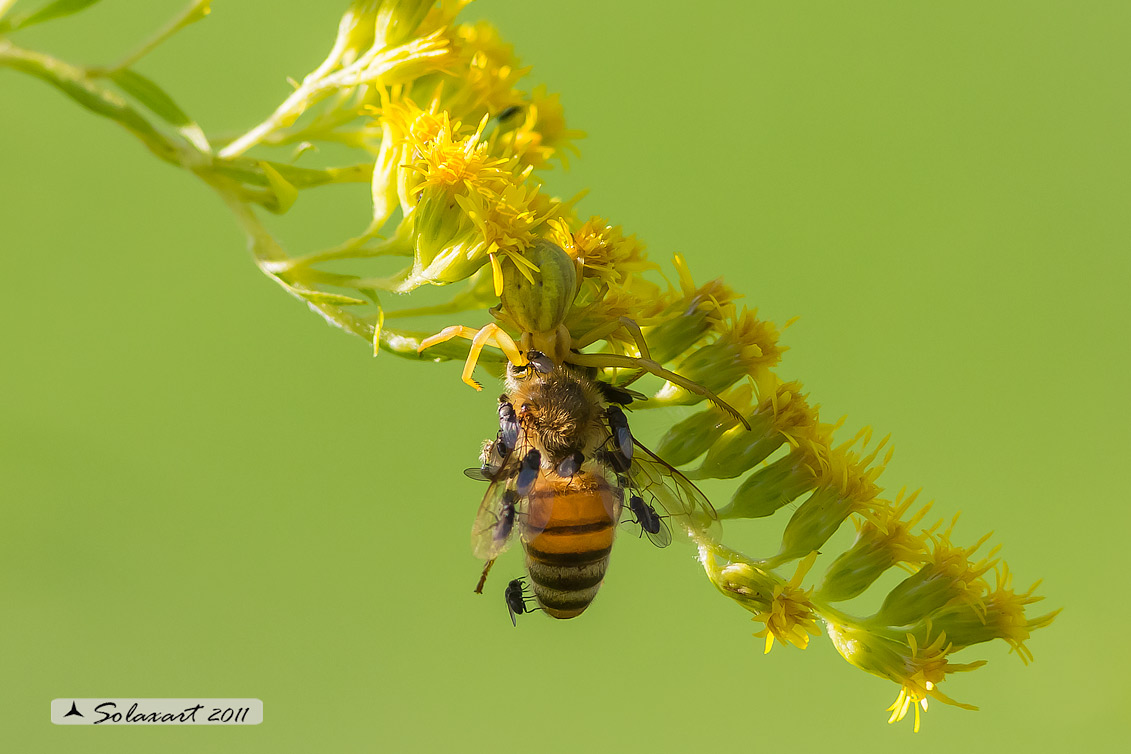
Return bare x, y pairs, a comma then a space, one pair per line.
77, 84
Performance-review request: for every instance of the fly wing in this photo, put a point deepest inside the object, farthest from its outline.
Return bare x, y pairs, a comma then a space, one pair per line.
673, 494
662, 537
645, 520
491, 532
655, 527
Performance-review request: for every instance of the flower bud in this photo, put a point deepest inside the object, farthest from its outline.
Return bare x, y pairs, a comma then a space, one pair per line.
746, 346
715, 366
999, 615
690, 438
882, 541
690, 318
814, 521
740, 449
779, 417
771, 487
738, 578
397, 20
857, 568
918, 666
679, 331
948, 575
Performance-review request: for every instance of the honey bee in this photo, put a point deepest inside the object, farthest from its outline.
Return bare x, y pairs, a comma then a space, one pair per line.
561, 470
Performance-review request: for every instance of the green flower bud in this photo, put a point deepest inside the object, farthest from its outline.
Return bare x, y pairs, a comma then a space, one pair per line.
746, 346
948, 576
917, 596
771, 487
539, 303
690, 438
437, 224
858, 568
998, 615
397, 20
814, 522
716, 367
739, 449
676, 335
738, 578
881, 654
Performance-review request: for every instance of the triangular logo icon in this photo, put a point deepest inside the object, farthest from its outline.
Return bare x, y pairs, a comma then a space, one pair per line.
74, 711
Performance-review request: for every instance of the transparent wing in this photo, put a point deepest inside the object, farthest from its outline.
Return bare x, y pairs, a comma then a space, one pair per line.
477, 473
645, 520
491, 532
673, 494
660, 535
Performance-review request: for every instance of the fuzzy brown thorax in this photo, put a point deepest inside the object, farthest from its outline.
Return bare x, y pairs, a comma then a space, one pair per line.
560, 412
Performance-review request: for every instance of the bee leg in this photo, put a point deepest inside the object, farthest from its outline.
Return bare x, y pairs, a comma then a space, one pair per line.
616, 361
483, 576
478, 338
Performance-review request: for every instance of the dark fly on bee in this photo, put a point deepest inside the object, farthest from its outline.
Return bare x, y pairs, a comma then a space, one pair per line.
561, 469
516, 599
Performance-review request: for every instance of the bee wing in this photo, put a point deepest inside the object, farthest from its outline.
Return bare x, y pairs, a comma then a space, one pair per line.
678, 497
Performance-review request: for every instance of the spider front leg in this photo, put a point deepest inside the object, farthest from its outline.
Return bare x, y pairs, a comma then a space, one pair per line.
603, 331
491, 333
617, 361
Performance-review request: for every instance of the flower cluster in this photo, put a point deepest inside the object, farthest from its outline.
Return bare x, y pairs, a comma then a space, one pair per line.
461, 150
454, 152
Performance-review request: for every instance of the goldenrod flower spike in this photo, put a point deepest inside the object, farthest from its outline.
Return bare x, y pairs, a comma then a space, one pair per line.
462, 175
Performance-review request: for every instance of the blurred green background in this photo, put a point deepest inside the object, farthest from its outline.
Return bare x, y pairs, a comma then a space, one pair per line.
208, 492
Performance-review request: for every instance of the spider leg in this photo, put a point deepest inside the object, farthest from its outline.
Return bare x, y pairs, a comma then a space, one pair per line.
607, 329
617, 361
479, 338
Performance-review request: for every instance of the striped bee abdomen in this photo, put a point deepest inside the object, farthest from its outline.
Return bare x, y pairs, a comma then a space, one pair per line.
567, 559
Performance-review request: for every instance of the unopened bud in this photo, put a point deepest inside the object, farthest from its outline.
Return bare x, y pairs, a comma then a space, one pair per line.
857, 568
771, 487
814, 522
690, 438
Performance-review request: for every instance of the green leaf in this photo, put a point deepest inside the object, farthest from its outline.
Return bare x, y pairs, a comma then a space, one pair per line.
152, 96
322, 297
285, 192
57, 9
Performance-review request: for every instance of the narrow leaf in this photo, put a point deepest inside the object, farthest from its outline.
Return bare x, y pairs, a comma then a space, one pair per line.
57, 9
285, 192
152, 96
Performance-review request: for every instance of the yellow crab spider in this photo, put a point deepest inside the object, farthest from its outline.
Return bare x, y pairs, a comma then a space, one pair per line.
538, 304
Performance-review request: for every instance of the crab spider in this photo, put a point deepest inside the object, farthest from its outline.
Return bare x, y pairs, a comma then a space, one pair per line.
560, 346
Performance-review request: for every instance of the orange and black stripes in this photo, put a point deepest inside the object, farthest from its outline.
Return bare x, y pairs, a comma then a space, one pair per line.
568, 558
